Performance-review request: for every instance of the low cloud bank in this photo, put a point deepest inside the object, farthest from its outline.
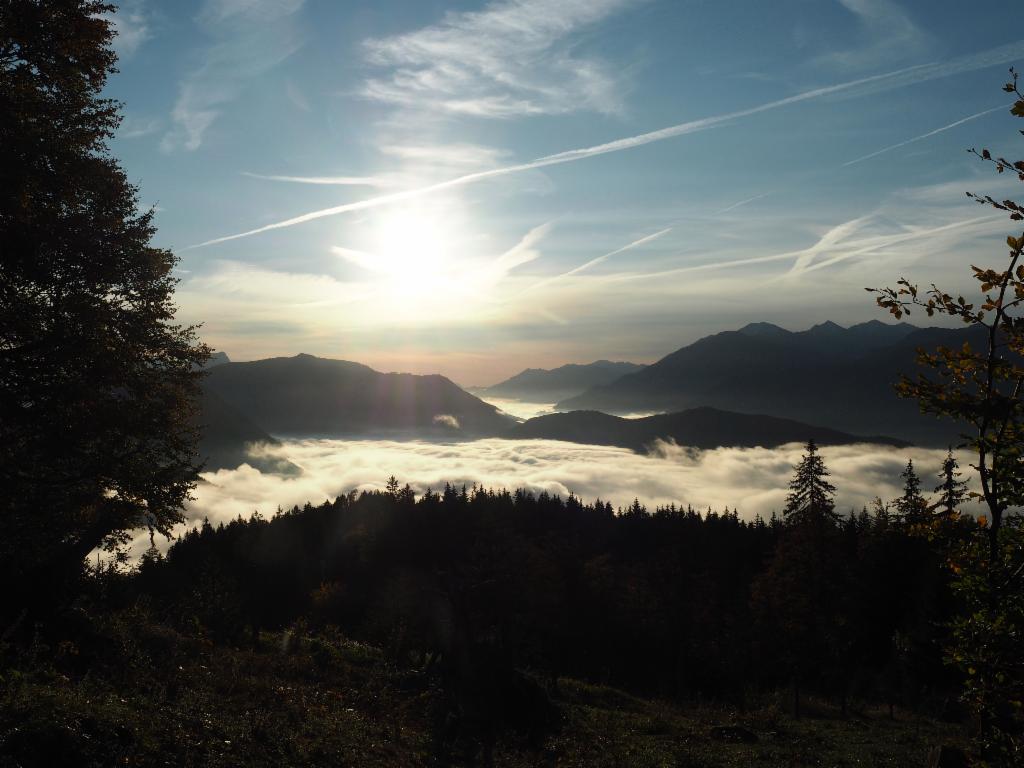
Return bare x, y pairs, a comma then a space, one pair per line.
752, 480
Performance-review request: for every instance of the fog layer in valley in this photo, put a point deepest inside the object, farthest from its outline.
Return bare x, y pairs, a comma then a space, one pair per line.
521, 409
526, 409
754, 480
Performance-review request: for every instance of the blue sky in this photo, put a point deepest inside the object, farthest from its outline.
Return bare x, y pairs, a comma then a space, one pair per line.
476, 187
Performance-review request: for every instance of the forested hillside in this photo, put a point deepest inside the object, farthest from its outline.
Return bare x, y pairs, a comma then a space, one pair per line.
479, 624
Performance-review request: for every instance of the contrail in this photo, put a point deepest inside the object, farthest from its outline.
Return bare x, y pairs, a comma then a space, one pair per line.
861, 247
595, 261
333, 181
894, 79
734, 206
924, 135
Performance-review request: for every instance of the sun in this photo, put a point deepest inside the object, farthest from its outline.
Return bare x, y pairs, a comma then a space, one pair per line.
419, 264
414, 248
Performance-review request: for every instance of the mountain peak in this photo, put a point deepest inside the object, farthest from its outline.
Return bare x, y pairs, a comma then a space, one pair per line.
826, 327
763, 329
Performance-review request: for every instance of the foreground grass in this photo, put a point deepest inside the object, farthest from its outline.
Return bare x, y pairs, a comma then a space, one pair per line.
146, 695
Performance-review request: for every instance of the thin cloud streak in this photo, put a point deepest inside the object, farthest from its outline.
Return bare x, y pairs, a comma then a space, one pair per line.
896, 78
247, 38
891, 35
831, 238
332, 181
923, 136
131, 26
522, 252
741, 203
594, 262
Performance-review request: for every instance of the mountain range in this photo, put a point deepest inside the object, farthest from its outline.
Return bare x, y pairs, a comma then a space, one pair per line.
838, 377
759, 385
539, 385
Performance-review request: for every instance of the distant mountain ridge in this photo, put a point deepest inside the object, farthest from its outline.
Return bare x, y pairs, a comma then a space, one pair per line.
856, 339
759, 385
307, 396
697, 427
549, 385
841, 378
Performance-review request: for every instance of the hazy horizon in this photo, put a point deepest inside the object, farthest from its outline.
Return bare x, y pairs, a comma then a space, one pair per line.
507, 371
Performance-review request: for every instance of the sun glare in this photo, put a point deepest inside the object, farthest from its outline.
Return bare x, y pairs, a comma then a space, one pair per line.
414, 248
418, 270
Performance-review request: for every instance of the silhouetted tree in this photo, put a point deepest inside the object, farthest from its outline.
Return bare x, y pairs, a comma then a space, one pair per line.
96, 379
979, 385
811, 495
952, 490
912, 506
800, 598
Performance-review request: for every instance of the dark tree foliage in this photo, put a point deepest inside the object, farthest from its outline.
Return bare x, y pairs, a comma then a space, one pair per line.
912, 507
96, 379
811, 495
472, 584
979, 386
952, 491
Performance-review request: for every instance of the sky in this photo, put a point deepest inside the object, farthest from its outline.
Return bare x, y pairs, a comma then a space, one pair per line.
472, 188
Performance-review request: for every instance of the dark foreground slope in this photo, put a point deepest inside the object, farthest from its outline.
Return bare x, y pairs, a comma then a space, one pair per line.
331, 701
836, 377
548, 385
382, 629
314, 397
697, 427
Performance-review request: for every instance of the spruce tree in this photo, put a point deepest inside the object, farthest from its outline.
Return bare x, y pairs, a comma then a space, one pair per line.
952, 490
811, 496
912, 507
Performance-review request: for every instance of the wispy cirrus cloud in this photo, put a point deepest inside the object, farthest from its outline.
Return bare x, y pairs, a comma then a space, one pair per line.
132, 27
133, 127
511, 59
888, 80
868, 237
887, 32
248, 38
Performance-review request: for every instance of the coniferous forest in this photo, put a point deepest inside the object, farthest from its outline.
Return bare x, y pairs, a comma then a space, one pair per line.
457, 625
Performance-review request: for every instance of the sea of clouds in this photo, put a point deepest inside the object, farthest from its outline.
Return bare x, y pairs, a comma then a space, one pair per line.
752, 480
